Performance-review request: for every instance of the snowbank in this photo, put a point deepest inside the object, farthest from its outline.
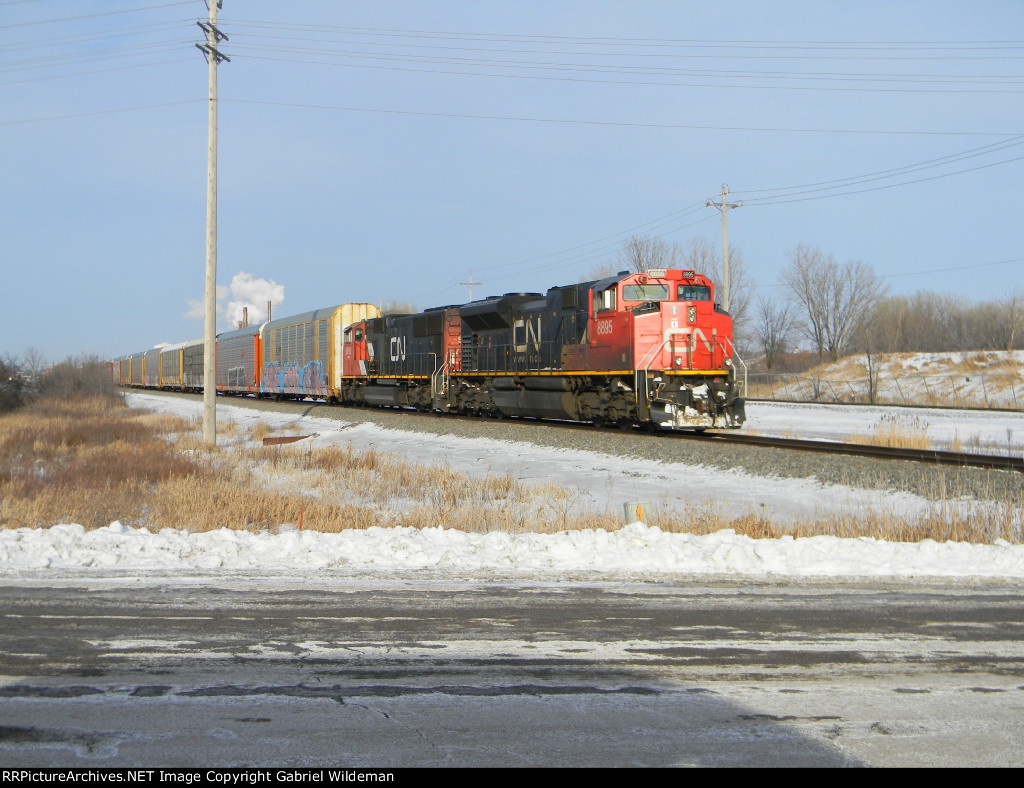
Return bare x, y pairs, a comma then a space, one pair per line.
635, 550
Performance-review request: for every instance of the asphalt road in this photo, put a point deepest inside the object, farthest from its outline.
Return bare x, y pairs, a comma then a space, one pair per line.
261, 672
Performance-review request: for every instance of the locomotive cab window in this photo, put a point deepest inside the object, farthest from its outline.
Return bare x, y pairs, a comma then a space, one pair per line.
693, 293
650, 292
605, 300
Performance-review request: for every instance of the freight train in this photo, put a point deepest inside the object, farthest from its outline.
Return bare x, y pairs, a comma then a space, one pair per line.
650, 349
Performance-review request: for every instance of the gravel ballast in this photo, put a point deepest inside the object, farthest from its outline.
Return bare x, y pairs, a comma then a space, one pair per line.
935, 482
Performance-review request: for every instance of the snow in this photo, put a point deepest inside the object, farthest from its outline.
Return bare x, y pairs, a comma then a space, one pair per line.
602, 483
979, 378
634, 551
983, 431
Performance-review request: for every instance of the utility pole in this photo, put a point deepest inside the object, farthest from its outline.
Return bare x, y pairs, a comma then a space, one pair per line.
724, 207
213, 57
470, 284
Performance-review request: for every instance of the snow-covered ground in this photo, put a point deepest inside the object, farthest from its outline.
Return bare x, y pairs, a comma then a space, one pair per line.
986, 432
979, 378
603, 482
635, 552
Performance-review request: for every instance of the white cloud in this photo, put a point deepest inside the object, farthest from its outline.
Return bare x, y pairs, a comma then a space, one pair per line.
247, 291
244, 291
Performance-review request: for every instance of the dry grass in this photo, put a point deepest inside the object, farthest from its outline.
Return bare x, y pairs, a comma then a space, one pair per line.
261, 431
93, 462
899, 431
970, 379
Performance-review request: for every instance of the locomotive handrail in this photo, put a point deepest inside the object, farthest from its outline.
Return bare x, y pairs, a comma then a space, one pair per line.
652, 353
442, 374
736, 356
504, 360
645, 368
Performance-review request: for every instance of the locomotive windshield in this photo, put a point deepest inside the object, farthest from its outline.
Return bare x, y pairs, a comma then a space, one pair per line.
693, 293
653, 292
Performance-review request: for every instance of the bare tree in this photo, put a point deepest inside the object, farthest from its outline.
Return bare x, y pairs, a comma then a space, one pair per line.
398, 308
703, 257
34, 362
930, 322
1005, 320
834, 299
772, 328
12, 385
1013, 317
855, 290
642, 253
807, 280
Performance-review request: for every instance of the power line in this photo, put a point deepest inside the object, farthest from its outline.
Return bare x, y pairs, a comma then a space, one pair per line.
52, 61
581, 257
620, 124
147, 64
828, 46
955, 268
632, 82
604, 54
1012, 142
822, 186
660, 71
93, 16
85, 38
101, 112
773, 201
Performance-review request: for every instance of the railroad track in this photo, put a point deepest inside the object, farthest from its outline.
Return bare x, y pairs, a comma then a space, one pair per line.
928, 456
932, 456
906, 405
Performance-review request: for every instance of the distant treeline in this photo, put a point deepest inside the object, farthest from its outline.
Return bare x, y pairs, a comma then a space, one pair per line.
931, 322
70, 379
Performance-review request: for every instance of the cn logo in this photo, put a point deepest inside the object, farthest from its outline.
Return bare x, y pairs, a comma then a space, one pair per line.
398, 348
526, 332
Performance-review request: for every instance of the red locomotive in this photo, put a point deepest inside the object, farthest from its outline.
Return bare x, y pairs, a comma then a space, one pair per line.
648, 348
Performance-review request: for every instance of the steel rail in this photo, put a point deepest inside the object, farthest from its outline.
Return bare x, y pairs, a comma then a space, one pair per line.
929, 456
883, 405
932, 456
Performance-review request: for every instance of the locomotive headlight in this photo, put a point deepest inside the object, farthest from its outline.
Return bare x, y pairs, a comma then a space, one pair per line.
679, 362
728, 362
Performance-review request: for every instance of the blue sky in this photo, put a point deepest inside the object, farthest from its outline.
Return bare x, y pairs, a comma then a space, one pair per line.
380, 151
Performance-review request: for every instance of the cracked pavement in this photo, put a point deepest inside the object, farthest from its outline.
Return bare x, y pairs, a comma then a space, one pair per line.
257, 673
